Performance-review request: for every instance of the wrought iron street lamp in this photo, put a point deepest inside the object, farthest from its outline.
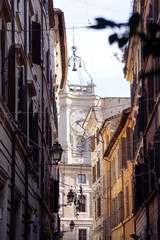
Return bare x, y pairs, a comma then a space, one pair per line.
70, 196
57, 152
72, 224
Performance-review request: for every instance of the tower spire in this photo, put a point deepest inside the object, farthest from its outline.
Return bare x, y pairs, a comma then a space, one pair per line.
77, 62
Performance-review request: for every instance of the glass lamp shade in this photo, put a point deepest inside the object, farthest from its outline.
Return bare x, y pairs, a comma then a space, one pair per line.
70, 196
57, 152
72, 224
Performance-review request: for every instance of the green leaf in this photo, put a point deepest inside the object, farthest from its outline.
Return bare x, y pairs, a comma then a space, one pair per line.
134, 22
113, 38
122, 41
103, 23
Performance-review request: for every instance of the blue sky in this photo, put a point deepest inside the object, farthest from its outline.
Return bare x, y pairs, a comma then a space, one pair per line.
93, 46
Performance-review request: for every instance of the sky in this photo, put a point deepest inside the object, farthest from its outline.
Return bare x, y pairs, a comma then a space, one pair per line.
93, 46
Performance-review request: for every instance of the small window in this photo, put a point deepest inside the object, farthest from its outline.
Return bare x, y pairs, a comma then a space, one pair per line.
98, 168
82, 203
81, 178
99, 207
82, 234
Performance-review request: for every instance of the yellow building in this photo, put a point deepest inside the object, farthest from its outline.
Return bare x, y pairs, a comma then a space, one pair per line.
118, 181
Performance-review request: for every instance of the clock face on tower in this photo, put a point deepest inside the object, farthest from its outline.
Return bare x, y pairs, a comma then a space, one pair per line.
77, 118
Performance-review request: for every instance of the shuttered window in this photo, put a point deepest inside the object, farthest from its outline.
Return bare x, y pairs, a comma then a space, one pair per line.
92, 143
120, 207
35, 137
141, 185
98, 168
123, 152
127, 201
51, 192
36, 42
128, 144
11, 80
99, 207
82, 234
56, 196
94, 173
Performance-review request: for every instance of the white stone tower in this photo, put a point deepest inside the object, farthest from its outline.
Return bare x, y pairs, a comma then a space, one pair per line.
75, 167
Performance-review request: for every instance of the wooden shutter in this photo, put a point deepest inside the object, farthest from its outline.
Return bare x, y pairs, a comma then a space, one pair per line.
35, 138
56, 196
98, 168
127, 201
92, 143
123, 152
51, 13
94, 173
99, 207
120, 207
51, 193
36, 42
11, 80
140, 185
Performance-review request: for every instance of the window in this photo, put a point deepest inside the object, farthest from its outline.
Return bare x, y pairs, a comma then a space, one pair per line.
92, 143
97, 134
36, 42
82, 234
123, 152
81, 178
99, 207
82, 203
98, 168
94, 173
127, 201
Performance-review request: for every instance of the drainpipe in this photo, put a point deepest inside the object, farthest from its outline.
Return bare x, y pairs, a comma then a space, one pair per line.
110, 201
124, 237
13, 165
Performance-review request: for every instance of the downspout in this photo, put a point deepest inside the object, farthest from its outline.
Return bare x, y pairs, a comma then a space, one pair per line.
110, 201
13, 165
124, 237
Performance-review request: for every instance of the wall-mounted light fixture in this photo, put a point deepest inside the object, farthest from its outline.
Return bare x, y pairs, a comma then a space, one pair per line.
56, 152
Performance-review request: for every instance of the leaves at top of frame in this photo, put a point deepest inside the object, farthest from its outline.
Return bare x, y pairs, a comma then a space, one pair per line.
103, 23
133, 23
